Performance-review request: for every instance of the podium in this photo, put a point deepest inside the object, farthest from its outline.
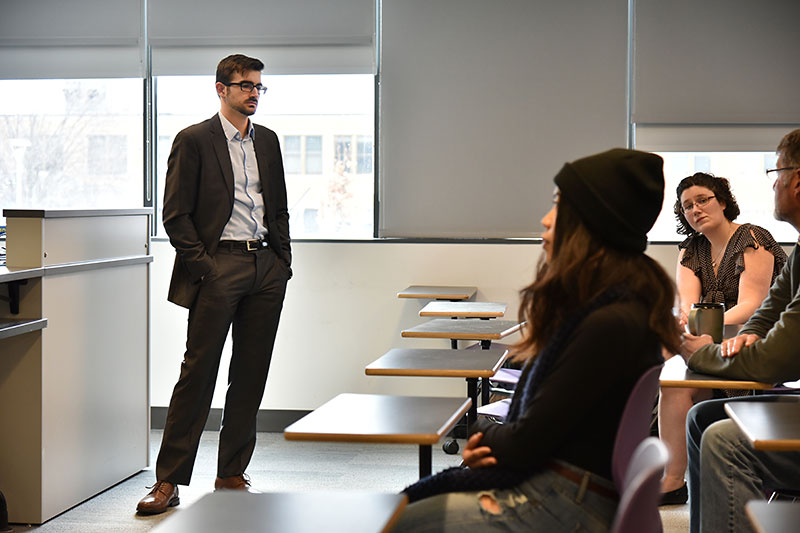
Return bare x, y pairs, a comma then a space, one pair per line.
74, 348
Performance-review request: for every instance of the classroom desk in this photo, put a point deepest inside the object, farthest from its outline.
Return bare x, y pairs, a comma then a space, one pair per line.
431, 292
379, 418
464, 309
469, 364
484, 331
770, 426
675, 374
242, 512
775, 517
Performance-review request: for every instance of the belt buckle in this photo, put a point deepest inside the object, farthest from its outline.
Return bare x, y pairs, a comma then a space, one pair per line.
253, 245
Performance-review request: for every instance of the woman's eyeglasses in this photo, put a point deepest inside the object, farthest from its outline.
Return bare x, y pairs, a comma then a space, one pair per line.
700, 201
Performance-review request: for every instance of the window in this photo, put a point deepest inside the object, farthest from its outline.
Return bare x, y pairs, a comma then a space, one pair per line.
751, 188
292, 154
314, 154
71, 143
330, 194
364, 165
344, 155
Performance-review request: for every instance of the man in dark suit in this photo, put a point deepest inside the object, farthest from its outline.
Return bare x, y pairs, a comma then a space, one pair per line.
226, 215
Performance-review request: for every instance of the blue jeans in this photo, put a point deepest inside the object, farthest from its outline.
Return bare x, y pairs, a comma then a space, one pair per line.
546, 502
725, 472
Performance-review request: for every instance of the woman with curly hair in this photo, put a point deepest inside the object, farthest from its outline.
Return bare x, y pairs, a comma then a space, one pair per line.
720, 262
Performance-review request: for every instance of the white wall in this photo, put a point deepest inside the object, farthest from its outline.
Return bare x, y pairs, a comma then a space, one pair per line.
342, 312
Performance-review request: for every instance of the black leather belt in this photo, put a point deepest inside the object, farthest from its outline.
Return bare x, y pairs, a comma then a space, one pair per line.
252, 245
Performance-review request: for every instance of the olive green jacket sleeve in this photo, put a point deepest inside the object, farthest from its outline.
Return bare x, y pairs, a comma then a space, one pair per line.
775, 357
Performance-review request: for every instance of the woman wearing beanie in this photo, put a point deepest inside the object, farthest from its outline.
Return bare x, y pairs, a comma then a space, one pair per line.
597, 315
719, 262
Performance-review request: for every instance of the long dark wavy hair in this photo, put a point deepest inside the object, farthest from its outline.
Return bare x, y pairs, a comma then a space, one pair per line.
581, 268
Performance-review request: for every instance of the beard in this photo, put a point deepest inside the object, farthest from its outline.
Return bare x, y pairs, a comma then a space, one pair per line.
241, 106
244, 110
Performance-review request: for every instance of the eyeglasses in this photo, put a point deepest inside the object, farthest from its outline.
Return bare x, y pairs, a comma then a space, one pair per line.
247, 86
779, 169
700, 201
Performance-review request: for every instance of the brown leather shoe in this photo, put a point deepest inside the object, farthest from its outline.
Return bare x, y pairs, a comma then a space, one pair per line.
240, 482
162, 496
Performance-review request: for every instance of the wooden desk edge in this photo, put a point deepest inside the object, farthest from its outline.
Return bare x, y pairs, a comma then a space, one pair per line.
430, 372
435, 296
460, 336
712, 384
757, 526
400, 438
453, 420
396, 515
456, 336
421, 439
463, 314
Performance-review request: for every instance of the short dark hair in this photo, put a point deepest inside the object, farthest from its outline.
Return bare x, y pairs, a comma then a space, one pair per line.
721, 188
237, 63
790, 148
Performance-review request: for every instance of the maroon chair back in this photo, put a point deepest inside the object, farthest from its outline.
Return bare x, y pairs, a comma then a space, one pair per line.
634, 426
638, 505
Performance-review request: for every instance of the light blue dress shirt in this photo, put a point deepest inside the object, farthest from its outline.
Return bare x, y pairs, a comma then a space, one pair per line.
247, 217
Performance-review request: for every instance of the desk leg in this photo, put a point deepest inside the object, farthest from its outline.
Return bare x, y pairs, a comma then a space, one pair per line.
454, 344
472, 392
485, 391
485, 345
425, 460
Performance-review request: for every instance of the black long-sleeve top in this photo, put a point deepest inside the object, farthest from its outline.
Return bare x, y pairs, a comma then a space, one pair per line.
574, 414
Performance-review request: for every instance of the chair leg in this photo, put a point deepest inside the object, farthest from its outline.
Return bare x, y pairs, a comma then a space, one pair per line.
3, 514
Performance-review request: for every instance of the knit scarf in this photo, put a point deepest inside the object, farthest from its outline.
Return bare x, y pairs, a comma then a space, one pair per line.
458, 479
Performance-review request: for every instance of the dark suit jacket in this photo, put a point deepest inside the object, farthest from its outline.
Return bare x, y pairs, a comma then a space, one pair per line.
198, 201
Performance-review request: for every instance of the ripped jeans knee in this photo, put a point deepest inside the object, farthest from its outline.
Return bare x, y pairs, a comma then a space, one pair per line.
491, 505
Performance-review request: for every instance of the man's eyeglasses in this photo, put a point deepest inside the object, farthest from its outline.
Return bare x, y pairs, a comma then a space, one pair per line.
778, 170
247, 86
700, 201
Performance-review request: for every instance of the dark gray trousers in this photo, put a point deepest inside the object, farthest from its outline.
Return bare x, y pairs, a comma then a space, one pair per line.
246, 290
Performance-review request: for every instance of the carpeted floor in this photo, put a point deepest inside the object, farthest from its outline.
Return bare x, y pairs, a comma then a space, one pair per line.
277, 466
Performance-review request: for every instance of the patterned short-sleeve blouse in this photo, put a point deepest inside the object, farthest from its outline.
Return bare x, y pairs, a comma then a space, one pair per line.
723, 287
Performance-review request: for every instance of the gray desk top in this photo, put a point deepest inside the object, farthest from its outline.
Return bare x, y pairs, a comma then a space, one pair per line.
468, 329
438, 363
464, 309
242, 512
380, 418
16, 273
776, 517
74, 213
13, 327
773, 426
437, 292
